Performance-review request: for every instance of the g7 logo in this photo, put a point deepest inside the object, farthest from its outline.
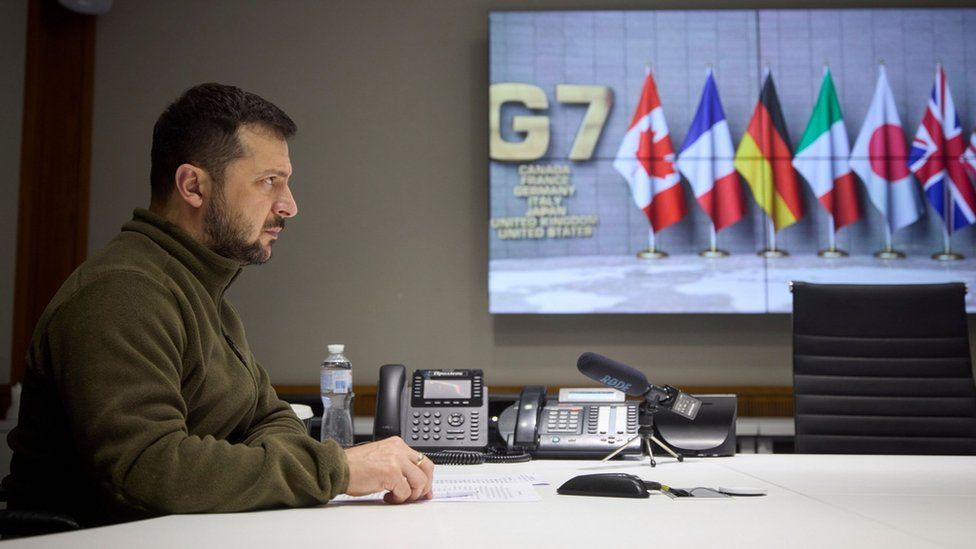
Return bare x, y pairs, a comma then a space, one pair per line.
536, 128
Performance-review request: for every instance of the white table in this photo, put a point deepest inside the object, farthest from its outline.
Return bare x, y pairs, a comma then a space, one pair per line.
812, 501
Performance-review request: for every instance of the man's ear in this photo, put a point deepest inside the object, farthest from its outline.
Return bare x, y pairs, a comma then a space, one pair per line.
192, 183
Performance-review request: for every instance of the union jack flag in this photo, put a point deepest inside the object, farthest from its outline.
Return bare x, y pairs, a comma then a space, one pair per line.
936, 158
970, 157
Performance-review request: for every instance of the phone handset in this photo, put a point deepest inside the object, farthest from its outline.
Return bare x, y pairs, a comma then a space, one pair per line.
529, 410
391, 393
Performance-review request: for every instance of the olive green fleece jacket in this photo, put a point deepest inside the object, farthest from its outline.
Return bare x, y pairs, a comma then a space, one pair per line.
142, 397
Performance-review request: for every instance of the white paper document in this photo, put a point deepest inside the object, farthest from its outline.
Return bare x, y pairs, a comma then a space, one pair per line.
530, 478
459, 488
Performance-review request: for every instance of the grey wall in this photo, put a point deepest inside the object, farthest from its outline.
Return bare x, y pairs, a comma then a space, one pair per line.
13, 43
389, 251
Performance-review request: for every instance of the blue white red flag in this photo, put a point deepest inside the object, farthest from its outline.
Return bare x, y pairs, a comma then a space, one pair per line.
646, 160
936, 159
969, 158
706, 160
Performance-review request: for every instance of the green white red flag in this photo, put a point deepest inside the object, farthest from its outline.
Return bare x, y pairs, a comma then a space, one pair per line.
822, 158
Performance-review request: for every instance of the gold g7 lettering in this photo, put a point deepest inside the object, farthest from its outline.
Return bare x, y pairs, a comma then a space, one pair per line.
599, 100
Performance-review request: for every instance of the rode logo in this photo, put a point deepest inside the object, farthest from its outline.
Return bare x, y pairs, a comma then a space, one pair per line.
615, 383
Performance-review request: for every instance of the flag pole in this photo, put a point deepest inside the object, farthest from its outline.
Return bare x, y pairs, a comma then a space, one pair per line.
832, 252
651, 252
833, 234
947, 204
888, 252
713, 251
947, 254
772, 251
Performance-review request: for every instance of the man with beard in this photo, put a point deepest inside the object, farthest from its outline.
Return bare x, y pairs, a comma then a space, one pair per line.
141, 396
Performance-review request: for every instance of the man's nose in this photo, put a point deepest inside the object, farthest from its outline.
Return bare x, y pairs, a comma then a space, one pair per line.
286, 206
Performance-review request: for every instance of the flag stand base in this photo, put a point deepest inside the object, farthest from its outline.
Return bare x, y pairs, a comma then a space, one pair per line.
713, 252
889, 253
772, 253
947, 255
832, 253
652, 253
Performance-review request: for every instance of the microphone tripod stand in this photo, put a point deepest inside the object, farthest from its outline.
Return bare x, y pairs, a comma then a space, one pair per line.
645, 430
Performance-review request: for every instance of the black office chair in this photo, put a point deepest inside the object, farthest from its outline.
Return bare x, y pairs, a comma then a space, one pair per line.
882, 369
16, 523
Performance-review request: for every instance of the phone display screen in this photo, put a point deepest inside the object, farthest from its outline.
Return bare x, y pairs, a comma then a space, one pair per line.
447, 388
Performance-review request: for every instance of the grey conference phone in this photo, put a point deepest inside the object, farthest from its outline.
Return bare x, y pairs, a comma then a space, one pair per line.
584, 423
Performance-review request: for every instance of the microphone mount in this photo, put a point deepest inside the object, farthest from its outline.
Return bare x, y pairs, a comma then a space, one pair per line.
673, 400
655, 399
624, 378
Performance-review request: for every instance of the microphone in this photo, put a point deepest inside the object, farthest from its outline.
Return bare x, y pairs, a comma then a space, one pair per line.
619, 376
613, 374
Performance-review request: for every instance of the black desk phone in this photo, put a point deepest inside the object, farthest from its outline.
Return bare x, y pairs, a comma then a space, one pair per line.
447, 411
441, 410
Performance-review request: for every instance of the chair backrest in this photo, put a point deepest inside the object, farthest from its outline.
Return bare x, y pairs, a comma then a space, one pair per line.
16, 523
882, 369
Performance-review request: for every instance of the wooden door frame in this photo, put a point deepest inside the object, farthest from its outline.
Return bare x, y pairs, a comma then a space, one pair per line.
55, 166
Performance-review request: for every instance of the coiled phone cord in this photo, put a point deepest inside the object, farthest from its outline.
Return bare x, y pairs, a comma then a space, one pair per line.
467, 457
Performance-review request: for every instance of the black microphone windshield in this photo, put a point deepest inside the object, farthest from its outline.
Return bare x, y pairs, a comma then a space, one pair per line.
612, 374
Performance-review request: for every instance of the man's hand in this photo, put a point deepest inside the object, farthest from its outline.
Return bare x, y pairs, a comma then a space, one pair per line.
389, 465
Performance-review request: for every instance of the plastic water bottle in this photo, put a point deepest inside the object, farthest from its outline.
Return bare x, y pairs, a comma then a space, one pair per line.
336, 383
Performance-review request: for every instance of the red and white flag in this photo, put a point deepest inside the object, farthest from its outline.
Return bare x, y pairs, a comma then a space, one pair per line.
646, 160
879, 158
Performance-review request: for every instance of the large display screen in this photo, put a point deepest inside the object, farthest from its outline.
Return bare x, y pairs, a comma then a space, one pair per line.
699, 161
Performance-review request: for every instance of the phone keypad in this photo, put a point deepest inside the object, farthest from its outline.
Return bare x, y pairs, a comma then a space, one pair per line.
563, 420
588, 430
430, 426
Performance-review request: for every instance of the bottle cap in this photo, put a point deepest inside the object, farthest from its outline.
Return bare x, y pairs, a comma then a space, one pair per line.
336, 348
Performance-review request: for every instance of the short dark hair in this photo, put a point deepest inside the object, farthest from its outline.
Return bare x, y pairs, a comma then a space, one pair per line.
200, 128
